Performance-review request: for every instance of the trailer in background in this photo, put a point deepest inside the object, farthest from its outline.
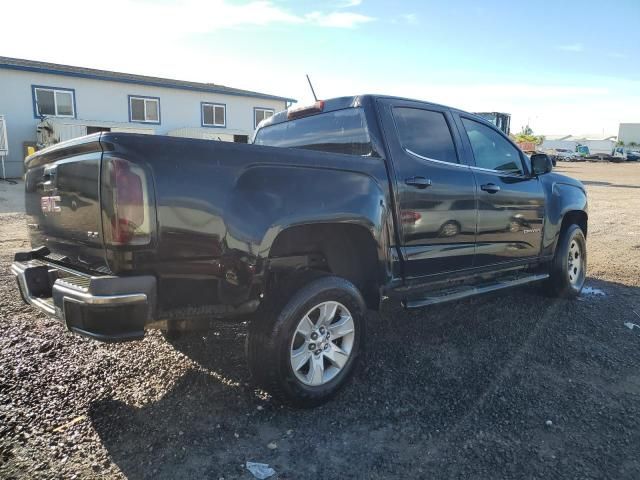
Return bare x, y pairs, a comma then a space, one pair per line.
55, 130
585, 147
499, 119
204, 133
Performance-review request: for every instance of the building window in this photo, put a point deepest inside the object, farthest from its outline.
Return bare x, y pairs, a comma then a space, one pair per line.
214, 115
144, 109
54, 102
260, 114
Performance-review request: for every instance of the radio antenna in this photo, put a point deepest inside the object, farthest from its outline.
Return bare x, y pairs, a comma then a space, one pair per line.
311, 87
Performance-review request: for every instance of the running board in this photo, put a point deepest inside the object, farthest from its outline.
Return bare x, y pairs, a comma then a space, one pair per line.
458, 293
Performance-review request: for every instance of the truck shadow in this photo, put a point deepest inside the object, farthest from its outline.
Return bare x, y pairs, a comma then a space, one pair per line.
429, 380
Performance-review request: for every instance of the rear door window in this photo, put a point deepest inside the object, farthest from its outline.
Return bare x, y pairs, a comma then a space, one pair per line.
425, 133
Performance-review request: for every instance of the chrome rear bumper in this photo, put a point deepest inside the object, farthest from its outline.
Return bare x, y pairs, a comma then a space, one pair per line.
107, 308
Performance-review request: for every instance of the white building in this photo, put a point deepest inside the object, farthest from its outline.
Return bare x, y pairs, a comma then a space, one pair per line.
75, 101
629, 133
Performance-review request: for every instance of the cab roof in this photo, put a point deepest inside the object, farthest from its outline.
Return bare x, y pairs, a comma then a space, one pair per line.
340, 103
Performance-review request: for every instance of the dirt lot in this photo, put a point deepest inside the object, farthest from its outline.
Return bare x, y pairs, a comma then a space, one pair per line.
514, 385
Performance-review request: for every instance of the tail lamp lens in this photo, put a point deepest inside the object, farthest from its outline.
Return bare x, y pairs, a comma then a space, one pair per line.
410, 217
128, 220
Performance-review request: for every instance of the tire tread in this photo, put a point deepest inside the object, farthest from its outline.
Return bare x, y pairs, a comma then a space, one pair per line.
265, 335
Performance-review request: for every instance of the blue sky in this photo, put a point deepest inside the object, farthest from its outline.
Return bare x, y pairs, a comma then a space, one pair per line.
565, 66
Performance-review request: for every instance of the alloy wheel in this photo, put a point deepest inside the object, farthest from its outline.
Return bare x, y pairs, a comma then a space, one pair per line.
575, 263
322, 343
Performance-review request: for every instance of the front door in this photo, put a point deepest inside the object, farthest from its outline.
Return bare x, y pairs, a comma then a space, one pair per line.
510, 200
434, 190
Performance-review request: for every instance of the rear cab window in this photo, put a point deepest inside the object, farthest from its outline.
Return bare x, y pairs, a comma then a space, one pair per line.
340, 131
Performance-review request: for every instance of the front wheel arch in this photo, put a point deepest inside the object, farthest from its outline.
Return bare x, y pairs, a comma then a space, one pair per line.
577, 217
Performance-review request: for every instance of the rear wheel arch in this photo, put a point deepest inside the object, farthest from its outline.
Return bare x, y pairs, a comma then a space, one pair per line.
346, 250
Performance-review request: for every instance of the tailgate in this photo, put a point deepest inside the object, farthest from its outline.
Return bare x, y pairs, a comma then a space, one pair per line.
62, 202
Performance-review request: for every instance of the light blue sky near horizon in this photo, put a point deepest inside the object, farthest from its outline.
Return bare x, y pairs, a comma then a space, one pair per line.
564, 67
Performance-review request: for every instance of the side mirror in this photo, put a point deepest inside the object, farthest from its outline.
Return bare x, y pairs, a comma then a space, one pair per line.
541, 163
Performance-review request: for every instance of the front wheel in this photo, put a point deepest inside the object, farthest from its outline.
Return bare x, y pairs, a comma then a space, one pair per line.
569, 266
304, 348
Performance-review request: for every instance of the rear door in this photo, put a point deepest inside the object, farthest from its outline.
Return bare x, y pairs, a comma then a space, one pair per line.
510, 200
434, 190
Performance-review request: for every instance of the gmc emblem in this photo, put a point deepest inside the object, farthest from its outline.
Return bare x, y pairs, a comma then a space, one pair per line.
49, 205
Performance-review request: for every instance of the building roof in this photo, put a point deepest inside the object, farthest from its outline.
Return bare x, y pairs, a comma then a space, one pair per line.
92, 73
576, 138
556, 137
593, 137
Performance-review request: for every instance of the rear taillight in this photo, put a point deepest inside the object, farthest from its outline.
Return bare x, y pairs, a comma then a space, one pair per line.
410, 217
126, 202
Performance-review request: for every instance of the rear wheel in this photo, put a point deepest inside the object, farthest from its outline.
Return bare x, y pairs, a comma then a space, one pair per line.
303, 348
449, 229
569, 266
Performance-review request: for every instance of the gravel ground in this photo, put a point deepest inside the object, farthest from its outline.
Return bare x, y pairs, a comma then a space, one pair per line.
11, 196
513, 385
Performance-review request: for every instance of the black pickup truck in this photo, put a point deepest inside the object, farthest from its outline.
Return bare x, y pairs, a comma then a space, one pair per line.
334, 208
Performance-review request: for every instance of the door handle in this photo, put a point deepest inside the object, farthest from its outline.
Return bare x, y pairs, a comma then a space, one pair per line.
418, 182
490, 188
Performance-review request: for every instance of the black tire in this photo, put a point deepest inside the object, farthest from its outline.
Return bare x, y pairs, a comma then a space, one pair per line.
272, 329
559, 283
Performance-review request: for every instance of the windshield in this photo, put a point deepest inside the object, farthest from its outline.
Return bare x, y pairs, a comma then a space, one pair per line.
341, 131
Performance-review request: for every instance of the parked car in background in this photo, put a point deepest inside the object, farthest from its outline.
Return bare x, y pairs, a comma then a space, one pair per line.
564, 155
625, 153
633, 155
